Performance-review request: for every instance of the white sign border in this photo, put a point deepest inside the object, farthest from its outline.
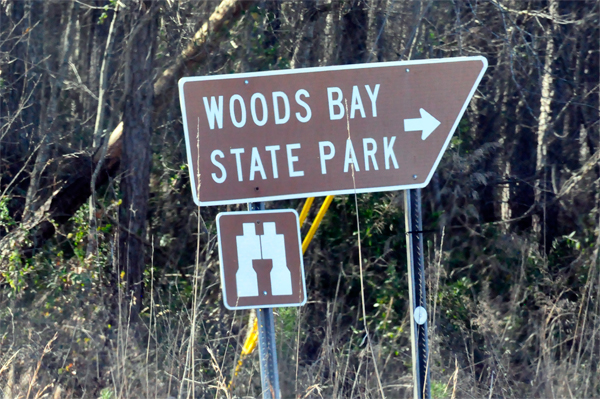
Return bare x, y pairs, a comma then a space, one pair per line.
223, 288
184, 80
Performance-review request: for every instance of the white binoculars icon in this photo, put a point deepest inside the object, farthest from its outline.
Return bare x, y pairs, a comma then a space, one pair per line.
251, 247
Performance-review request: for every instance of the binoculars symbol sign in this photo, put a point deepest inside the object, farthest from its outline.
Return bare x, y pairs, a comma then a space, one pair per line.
270, 245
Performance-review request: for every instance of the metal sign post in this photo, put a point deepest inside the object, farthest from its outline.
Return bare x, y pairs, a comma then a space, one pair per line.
269, 374
300, 119
416, 290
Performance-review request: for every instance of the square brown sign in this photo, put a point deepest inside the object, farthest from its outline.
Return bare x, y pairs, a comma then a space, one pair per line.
261, 259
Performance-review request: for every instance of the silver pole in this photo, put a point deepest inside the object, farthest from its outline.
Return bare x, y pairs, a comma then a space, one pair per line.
416, 290
268, 354
269, 374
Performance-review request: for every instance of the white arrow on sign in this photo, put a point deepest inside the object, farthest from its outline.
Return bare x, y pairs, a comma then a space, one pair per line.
426, 123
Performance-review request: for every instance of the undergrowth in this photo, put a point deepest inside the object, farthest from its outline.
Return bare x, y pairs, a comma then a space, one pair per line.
506, 320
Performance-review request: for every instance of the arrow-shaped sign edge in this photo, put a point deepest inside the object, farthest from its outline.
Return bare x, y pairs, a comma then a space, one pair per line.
182, 81
458, 118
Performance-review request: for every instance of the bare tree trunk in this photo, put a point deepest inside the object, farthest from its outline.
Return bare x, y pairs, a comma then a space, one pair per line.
304, 41
420, 10
330, 48
354, 34
137, 156
506, 140
99, 33
544, 126
20, 101
378, 14
31, 201
97, 136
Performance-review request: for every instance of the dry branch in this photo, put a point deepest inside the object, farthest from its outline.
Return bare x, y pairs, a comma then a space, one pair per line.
578, 176
198, 49
74, 191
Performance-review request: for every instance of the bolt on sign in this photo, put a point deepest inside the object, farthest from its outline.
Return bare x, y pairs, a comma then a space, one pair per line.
298, 133
261, 259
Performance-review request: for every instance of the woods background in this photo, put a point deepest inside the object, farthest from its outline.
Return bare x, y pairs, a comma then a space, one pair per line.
109, 280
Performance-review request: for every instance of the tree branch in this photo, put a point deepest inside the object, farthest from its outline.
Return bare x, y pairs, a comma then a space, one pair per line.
74, 191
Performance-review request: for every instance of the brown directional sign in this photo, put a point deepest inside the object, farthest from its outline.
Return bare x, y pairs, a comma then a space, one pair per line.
261, 259
297, 133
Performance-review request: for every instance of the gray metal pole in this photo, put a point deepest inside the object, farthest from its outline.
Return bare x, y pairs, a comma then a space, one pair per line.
416, 290
268, 354
269, 374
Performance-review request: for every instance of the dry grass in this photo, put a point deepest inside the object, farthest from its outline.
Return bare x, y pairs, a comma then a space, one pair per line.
73, 343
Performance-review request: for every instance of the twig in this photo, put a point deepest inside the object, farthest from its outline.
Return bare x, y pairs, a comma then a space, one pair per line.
47, 349
491, 386
9, 361
360, 263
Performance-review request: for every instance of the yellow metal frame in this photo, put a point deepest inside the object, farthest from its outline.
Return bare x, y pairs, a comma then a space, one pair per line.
316, 223
305, 209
